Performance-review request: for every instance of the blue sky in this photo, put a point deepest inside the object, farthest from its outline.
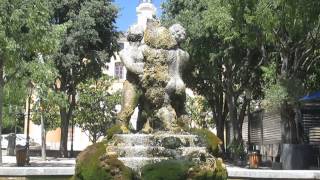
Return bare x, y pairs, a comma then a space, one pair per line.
127, 13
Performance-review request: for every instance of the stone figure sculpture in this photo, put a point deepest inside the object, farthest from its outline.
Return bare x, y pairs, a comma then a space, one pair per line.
154, 81
155, 60
132, 59
177, 59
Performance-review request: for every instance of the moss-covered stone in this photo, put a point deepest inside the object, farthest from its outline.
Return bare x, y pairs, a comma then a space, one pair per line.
130, 98
158, 37
88, 164
171, 142
182, 170
208, 171
168, 170
93, 163
116, 169
116, 129
220, 170
211, 140
153, 82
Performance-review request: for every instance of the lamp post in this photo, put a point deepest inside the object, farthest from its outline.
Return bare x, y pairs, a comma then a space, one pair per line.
30, 89
248, 97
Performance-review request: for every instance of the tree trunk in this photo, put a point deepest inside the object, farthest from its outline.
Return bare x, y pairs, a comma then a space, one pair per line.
218, 106
65, 121
64, 132
288, 125
94, 138
241, 116
233, 117
43, 139
1, 102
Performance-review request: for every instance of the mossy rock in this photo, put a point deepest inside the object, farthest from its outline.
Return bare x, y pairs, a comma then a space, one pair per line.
166, 170
215, 171
182, 170
220, 170
88, 163
92, 164
116, 129
157, 36
212, 141
171, 142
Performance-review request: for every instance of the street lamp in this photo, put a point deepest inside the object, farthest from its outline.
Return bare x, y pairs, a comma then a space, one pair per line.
30, 87
248, 97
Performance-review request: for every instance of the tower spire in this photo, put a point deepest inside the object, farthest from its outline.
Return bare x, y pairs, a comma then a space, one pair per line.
145, 1
145, 10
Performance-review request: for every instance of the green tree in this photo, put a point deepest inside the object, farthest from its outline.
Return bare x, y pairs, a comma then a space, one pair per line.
198, 109
13, 105
292, 28
226, 53
47, 101
24, 27
88, 43
95, 110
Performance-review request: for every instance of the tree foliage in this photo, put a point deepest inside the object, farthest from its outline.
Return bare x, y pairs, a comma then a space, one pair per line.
46, 101
95, 111
24, 32
87, 43
248, 49
225, 54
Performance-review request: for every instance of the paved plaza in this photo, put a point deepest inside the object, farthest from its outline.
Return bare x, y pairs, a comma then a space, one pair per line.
66, 166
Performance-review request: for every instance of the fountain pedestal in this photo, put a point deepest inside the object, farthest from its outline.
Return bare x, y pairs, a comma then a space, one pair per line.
138, 150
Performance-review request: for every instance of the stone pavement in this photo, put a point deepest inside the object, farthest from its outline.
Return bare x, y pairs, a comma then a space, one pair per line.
244, 173
38, 167
10, 161
66, 167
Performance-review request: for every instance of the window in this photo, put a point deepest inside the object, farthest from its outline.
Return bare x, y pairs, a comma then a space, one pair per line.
118, 70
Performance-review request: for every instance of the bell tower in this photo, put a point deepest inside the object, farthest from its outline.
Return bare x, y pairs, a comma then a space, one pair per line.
145, 10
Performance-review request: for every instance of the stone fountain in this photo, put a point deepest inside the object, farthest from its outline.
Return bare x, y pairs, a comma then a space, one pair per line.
154, 86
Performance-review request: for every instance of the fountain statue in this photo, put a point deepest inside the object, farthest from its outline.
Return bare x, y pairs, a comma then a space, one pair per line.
155, 60
154, 83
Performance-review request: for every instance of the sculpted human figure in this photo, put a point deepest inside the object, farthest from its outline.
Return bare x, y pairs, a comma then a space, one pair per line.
164, 89
132, 59
175, 97
154, 79
177, 59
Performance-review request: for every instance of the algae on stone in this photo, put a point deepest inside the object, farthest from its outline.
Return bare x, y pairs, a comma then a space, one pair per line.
93, 163
130, 98
168, 170
211, 140
184, 169
158, 37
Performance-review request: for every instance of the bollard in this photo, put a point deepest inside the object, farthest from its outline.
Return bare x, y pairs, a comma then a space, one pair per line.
21, 155
254, 160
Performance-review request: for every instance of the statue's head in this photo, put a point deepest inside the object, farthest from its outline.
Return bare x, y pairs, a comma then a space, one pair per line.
178, 32
135, 33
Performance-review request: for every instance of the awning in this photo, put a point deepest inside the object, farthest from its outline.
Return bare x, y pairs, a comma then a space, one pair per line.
311, 97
